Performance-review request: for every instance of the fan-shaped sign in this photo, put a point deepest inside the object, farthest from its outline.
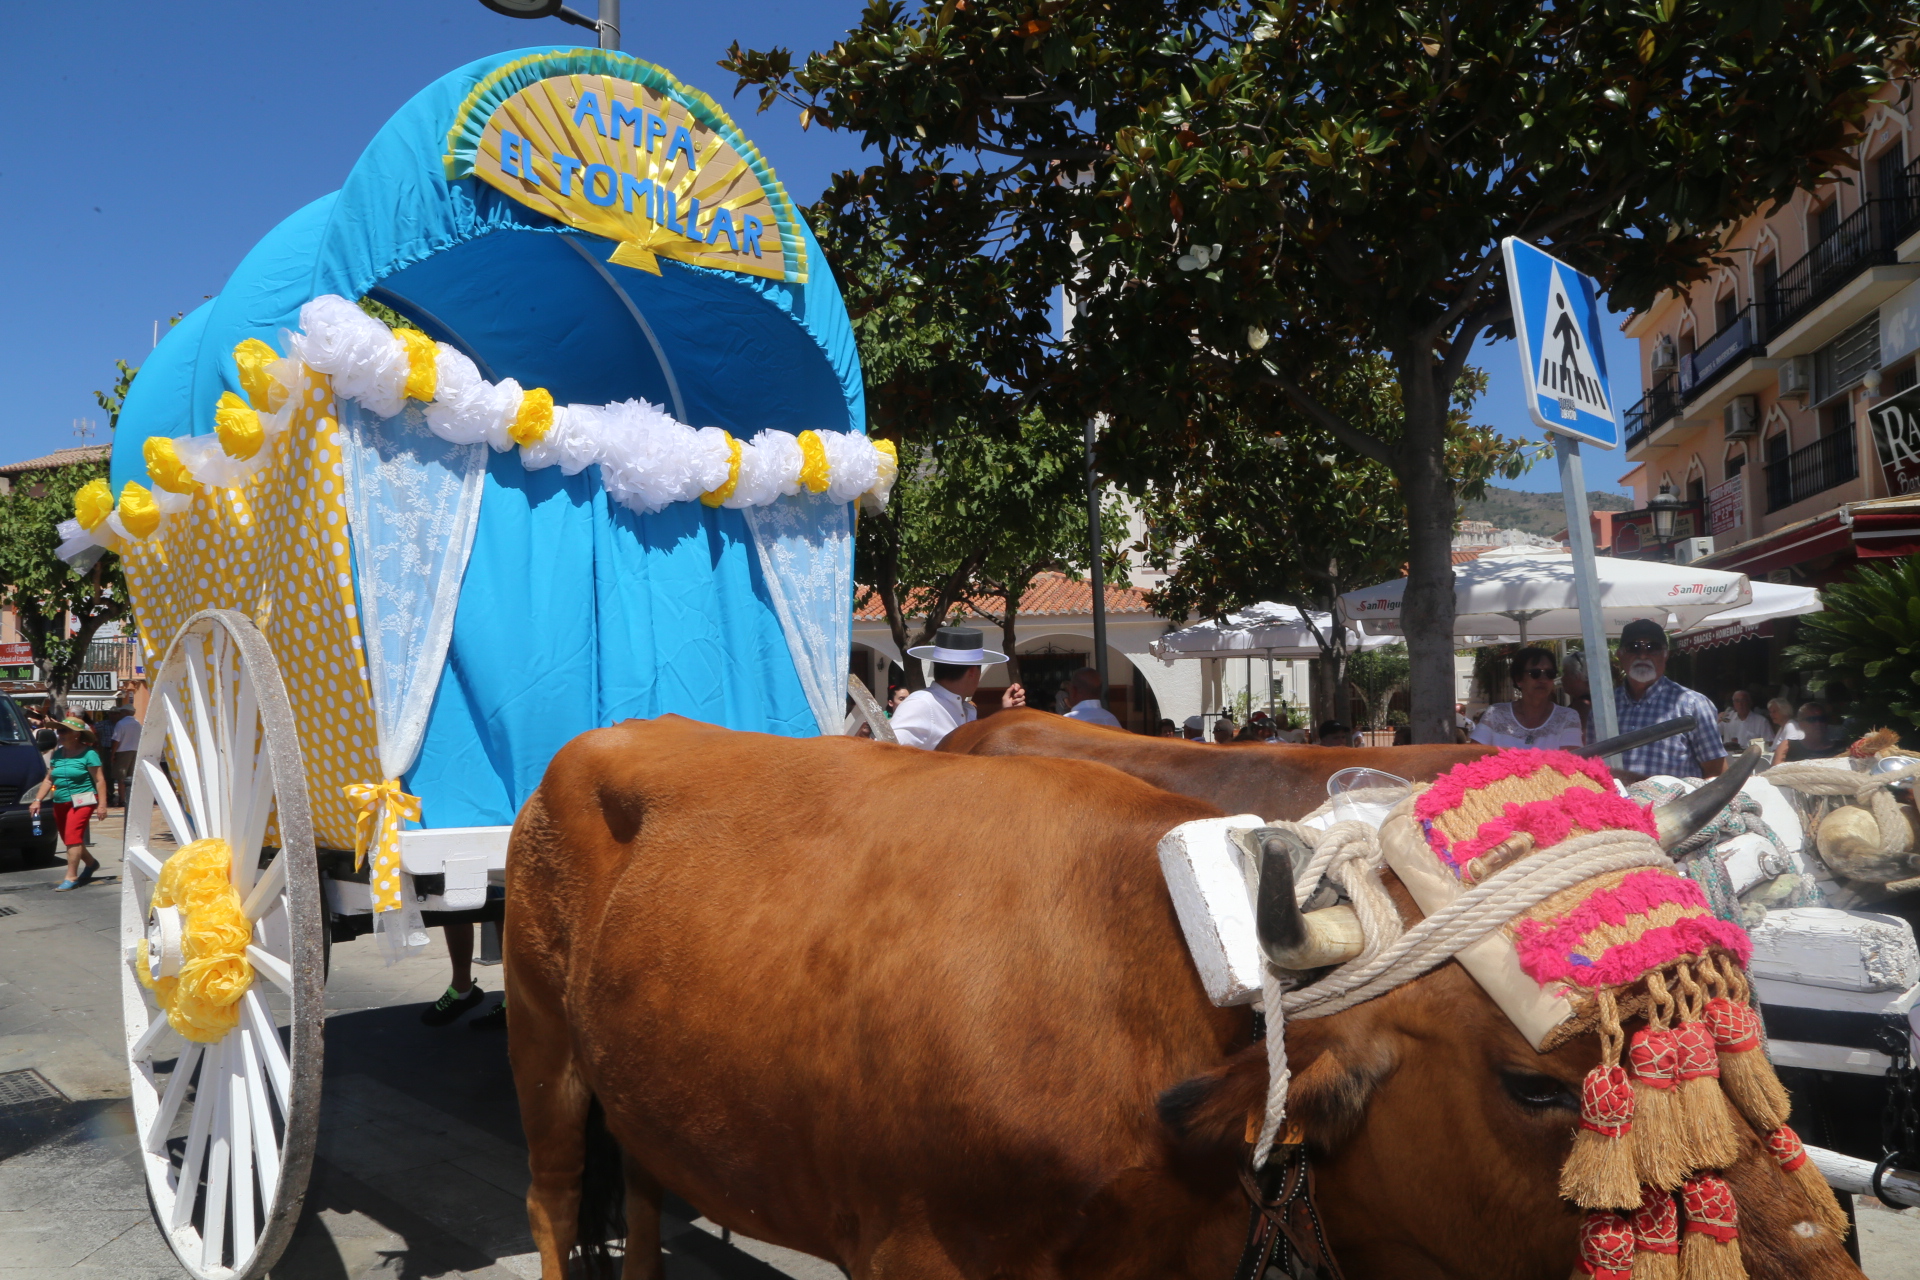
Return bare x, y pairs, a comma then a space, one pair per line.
620, 148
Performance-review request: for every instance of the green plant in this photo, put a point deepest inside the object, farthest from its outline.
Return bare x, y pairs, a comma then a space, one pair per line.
1378, 674
42, 590
1868, 638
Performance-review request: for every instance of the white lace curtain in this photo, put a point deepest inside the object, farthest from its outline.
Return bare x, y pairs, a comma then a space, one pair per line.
414, 501
805, 546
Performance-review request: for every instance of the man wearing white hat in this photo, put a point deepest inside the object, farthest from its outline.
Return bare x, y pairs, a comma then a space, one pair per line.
930, 714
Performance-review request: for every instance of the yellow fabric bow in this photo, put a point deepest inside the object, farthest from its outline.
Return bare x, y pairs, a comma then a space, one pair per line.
378, 809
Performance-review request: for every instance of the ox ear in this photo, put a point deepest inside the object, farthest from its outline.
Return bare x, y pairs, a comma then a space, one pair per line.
1336, 1064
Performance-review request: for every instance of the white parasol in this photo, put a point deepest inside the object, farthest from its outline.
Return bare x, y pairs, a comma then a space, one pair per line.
1529, 592
1272, 630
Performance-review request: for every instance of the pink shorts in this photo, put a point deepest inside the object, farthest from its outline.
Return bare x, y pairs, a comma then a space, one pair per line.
71, 820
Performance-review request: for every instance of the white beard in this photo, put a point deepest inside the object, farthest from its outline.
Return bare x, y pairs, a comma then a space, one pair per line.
1643, 672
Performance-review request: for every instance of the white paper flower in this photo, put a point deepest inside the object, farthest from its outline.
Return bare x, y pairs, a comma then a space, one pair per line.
782, 459
712, 458
453, 374
647, 459
366, 362
758, 485
851, 465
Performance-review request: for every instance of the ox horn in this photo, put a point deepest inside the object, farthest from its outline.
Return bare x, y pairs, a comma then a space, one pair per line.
1292, 938
1681, 817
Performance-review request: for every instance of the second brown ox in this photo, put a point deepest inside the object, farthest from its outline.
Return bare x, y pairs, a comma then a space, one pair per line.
931, 1015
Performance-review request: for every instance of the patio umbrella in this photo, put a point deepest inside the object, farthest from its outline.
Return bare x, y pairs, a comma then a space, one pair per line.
1528, 592
1276, 630
1770, 600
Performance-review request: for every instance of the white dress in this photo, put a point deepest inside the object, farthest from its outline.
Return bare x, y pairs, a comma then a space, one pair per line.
1499, 728
930, 714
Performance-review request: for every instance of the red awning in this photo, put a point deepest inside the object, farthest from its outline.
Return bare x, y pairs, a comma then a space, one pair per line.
1792, 545
1885, 533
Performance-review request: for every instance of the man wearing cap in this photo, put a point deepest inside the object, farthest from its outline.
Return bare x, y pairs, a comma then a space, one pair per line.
929, 715
1646, 697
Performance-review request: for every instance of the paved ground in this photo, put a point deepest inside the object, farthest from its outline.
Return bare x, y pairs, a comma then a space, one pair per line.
421, 1169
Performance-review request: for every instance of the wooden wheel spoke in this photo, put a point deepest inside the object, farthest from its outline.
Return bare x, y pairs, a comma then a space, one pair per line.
163, 795
270, 967
176, 729
186, 1189
213, 1221
142, 1049
209, 749
176, 1091
240, 1124
141, 861
267, 889
266, 1041
266, 1147
259, 793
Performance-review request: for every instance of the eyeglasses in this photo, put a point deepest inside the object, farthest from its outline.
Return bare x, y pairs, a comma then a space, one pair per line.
1540, 673
1643, 646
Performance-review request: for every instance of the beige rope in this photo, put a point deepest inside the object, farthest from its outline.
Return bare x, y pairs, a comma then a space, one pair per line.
1811, 779
1394, 956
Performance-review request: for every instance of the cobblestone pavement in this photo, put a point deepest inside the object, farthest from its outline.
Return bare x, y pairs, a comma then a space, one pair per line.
421, 1170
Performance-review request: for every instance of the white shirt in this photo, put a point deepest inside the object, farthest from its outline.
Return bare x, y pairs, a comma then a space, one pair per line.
1499, 728
929, 715
1091, 712
126, 734
1743, 729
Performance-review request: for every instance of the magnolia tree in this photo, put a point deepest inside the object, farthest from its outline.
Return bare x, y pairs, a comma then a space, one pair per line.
1242, 195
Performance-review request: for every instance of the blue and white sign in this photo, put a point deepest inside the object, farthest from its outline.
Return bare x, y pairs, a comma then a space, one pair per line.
1556, 317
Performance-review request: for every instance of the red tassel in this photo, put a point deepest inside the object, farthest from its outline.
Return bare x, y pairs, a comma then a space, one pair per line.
1606, 1246
1712, 1247
1785, 1145
1703, 1109
1660, 1142
1599, 1172
1745, 1074
1656, 1237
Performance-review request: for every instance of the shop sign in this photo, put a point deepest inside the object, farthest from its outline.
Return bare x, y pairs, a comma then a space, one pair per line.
95, 682
619, 148
1896, 437
1727, 505
15, 652
92, 704
1634, 533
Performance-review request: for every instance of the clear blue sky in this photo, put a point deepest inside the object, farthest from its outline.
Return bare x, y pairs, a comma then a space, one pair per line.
152, 144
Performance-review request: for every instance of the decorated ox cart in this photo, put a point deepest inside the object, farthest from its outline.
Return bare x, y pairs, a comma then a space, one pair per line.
549, 417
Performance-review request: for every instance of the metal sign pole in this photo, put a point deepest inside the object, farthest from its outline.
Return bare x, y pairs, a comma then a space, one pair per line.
1096, 570
1586, 585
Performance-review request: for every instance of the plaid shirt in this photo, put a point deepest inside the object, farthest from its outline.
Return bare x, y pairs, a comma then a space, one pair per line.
1681, 755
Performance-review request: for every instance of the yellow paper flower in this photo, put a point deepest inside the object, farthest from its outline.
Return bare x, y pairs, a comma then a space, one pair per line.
535, 417
203, 1001
164, 467
92, 503
254, 358
714, 497
423, 371
813, 462
241, 434
139, 513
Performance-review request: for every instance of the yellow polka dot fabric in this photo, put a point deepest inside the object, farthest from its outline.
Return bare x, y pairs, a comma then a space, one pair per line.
276, 547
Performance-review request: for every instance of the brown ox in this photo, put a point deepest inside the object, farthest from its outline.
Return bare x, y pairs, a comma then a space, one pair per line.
1274, 781
920, 1015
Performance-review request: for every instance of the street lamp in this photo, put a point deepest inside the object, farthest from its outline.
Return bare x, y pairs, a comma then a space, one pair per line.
1664, 505
607, 26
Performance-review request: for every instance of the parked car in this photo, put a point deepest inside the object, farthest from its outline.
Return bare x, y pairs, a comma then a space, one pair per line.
21, 769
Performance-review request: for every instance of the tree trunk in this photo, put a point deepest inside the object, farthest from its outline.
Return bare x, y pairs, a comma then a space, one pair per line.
1008, 616
1426, 611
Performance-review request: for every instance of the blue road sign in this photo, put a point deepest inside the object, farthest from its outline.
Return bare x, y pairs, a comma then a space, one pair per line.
1557, 316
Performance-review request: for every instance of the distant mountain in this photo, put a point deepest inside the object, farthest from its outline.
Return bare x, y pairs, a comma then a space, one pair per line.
1541, 513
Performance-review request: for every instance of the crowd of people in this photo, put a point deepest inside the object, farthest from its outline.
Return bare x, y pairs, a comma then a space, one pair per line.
1551, 707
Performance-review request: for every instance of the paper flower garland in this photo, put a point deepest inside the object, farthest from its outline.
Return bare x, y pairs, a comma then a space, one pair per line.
647, 460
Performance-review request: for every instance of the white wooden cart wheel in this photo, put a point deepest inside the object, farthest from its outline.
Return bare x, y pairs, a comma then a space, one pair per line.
227, 1129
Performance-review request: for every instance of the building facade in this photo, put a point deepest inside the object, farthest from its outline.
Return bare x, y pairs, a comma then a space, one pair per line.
1770, 389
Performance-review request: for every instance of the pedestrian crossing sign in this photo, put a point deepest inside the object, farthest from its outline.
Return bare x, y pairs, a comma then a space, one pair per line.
1556, 317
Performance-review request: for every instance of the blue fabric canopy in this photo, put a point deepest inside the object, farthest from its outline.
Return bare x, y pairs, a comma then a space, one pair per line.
574, 613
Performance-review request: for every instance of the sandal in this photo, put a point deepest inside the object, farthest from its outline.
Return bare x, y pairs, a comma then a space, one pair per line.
65, 886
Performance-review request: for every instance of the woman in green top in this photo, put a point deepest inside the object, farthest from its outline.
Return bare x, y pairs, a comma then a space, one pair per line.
76, 783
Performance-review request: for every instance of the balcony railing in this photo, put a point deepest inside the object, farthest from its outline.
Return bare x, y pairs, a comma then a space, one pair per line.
1867, 237
1740, 337
1827, 462
1660, 403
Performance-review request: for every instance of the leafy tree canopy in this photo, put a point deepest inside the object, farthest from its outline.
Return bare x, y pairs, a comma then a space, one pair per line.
1241, 194
42, 589
1867, 639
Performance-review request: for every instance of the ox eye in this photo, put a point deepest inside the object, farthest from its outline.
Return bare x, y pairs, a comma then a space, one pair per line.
1537, 1092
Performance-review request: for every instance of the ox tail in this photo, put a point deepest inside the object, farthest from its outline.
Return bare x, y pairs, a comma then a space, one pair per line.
603, 1206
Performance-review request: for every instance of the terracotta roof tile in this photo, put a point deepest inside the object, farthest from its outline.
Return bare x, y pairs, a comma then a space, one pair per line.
1049, 594
1464, 555
60, 458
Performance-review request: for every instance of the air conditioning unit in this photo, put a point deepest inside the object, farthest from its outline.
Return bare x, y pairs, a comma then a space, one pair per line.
1796, 378
1741, 417
1687, 550
1665, 357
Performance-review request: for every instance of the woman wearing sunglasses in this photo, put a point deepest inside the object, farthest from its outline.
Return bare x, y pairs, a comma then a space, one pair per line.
1533, 718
